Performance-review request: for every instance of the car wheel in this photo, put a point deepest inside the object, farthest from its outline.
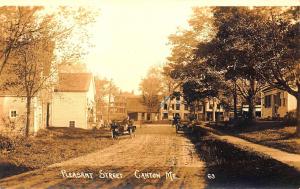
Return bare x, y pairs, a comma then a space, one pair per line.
130, 132
112, 134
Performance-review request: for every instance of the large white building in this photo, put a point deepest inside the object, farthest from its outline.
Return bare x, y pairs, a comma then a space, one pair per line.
73, 103
171, 107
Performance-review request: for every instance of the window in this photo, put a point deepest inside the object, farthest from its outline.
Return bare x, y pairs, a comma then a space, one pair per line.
283, 102
71, 123
178, 98
268, 101
13, 113
173, 106
186, 107
258, 101
200, 108
177, 106
165, 106
277, 99
185, 116
165, 116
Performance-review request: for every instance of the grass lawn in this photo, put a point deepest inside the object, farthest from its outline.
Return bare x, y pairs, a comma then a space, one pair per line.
51, 146
238, 168
269, 134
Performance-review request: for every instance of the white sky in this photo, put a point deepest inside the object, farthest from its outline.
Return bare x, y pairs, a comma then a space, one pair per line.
132, 35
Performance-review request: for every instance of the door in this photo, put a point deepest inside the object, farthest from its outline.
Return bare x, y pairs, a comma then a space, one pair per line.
48, 115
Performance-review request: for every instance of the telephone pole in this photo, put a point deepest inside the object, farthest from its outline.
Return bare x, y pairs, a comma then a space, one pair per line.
109, 100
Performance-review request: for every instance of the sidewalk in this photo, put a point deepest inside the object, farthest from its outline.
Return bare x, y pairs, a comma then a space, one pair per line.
290, 159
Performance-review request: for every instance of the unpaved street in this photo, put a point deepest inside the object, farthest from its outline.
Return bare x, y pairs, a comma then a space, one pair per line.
139, 162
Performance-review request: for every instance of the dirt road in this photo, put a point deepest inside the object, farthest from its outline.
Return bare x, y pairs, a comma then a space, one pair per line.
155, 158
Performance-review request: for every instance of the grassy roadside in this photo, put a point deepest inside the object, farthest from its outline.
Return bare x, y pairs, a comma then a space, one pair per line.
268, 134
51, 146
237, 168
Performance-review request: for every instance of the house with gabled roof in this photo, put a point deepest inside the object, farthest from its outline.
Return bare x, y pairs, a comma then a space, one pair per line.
73, 101
277, 103
138, 111
13, 112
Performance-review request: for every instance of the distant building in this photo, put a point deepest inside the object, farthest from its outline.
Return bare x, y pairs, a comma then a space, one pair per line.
73, 103
171, 107
137, 111
118, 106
213, 106
277, 103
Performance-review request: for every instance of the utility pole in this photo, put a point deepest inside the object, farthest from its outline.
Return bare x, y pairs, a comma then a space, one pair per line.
109, 101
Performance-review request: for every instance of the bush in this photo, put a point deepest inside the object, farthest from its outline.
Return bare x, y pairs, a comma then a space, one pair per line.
6, 143
290, 118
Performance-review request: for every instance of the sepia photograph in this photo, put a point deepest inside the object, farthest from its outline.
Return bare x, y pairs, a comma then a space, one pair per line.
149, 94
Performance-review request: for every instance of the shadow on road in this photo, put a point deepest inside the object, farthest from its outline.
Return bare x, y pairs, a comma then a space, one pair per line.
236, 168
8, 169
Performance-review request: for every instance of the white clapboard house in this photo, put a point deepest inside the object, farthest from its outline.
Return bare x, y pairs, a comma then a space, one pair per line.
73, 101
13, 112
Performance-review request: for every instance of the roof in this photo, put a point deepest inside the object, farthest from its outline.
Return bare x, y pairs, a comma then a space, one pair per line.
268, 88
73, 82
135, 104
12, 92
7, 89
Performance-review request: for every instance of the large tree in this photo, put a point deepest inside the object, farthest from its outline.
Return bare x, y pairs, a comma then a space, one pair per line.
280, 51
17, 28
106, 90
32, 43
198, 78
32, 73
233, 51
66, 26
151, 87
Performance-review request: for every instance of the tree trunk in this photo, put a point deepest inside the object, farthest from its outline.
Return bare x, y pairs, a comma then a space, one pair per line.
298, 114
235, 101
214, 111
204, 111
251, 110
251, 101
28, 113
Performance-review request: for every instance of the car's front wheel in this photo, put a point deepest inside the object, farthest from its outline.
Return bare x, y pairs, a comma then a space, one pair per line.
112, 134
131, 133
177, 128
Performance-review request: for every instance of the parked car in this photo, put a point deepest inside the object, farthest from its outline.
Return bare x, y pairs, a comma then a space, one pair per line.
185, 126
119, 128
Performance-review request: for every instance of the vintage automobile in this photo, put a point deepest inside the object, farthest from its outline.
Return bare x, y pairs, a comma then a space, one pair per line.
185, 126
119, 128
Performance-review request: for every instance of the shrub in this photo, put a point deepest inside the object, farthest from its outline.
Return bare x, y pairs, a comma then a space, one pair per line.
6, 143
12, 127
290, 118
